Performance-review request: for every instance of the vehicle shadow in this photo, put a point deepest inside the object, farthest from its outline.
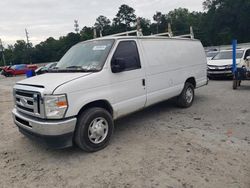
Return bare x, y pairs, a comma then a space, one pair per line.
244, 86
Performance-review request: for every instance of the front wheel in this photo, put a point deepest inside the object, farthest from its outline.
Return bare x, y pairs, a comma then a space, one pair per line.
186, 98
94, 129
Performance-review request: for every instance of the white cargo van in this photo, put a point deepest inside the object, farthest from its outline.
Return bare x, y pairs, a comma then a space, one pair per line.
100, 80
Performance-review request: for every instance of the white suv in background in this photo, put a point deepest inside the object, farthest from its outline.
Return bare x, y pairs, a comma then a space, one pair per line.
221, 64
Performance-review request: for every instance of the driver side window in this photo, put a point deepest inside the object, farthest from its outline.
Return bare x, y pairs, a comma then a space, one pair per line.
128, 52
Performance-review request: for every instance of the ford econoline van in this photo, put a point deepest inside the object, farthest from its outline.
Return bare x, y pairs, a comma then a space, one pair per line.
100, 80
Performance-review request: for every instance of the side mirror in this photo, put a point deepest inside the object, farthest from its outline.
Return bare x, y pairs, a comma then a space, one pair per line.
248, 58
117, 65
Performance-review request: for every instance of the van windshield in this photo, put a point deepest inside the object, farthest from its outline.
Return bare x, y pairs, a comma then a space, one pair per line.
228, 55
86, 56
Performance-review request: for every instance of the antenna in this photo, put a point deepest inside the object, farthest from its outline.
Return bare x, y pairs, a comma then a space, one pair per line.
76, 25
28, 45
170, 30
27, 36
138, 27
191, 32
2, 50
95, 35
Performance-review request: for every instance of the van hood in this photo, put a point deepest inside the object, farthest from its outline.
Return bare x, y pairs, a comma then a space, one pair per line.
222, 62
50, 81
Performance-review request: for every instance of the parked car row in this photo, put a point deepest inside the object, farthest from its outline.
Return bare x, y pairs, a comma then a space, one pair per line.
17, 69
24, 68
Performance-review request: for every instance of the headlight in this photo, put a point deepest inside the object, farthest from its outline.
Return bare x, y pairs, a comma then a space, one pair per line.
55, 106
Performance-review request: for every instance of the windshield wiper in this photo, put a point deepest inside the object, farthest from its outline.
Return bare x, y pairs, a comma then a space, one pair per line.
80, 68
74, 68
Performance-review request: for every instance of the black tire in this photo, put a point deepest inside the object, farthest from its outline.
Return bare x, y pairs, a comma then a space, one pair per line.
239, 83
86, 121
183, 100
8, 75
5, 74
235, 84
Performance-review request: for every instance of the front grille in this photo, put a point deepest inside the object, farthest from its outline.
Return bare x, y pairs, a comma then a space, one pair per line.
219, 68
28, 102
24, 108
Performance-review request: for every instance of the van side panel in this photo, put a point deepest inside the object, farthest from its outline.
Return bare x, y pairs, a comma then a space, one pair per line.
169, 63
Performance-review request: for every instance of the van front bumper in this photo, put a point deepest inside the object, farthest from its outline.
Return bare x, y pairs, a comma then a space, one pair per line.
54, 133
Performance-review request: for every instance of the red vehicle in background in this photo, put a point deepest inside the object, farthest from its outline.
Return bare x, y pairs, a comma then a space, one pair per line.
17, 69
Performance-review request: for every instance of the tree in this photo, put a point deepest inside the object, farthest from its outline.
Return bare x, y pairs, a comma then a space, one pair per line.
86, 33
225, 20
157, 17
101, 23
46, 51
180, 20
68, 41
125, 16
20, 52
145, 25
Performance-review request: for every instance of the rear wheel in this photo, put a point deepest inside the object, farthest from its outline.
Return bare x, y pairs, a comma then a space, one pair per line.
186, 98
94, 129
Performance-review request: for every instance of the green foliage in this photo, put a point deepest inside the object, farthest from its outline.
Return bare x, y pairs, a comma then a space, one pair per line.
86, 33
102, 24
145, 26
222, 21
125, 17
20, 52
227, 19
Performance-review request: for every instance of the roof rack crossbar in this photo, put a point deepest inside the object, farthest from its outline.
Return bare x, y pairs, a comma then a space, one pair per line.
138, 33
184, 36
163, 34
170, 34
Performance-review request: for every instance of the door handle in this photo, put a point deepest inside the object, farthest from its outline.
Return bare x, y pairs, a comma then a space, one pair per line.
143, 82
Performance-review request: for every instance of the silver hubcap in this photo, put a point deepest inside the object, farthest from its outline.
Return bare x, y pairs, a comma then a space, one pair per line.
189, 95
98, 130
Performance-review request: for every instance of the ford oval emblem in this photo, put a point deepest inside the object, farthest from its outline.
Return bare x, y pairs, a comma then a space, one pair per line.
23, 101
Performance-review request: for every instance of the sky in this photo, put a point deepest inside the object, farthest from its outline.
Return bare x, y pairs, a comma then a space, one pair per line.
55, 18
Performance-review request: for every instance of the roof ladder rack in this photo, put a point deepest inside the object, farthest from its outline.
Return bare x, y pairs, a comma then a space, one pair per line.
163, 34
138, 33
170, 35
191, 35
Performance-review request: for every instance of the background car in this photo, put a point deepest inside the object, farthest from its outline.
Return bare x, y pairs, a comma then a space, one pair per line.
17, 69
221, 64
44, 69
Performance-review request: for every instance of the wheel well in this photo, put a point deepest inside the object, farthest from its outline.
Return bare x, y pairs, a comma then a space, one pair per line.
191, 81
99, 103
